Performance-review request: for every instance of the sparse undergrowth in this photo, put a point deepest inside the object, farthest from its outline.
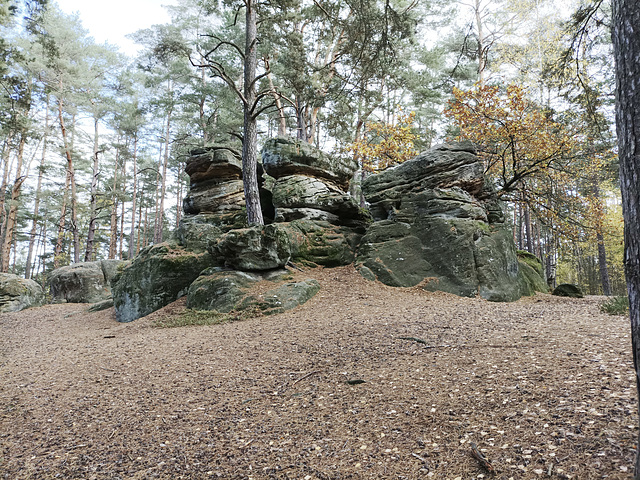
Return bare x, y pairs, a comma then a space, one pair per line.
616, 306
190, 317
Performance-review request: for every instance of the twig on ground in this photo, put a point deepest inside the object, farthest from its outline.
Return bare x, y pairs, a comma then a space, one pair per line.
423, 460
306, 376
484, 463
413, 339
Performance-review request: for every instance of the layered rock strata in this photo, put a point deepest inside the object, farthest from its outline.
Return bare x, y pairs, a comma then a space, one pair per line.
437, 224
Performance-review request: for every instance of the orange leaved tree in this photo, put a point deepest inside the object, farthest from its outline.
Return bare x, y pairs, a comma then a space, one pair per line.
384, 145
515, 137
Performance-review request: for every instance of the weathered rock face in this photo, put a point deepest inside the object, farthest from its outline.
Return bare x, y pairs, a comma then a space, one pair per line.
158, 276
255, 248
87, 282
215, 181
282, 298
284, 156
310, 185
220, 290
17, 293
438, 226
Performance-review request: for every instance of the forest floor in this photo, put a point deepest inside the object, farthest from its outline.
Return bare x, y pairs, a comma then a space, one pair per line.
338, 388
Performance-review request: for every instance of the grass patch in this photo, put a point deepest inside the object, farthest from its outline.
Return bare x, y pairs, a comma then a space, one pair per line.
204, 317
616, 306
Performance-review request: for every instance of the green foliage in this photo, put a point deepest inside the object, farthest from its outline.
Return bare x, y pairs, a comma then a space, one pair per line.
616, 306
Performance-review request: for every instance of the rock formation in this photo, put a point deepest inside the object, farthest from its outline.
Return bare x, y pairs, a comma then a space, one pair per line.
16, 293
437, 224
87, 282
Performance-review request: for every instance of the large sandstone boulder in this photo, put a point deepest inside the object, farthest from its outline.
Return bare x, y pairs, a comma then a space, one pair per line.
283, 156
87, 282
196, 232
220, 290
215, 175
436, 224
321, 243
17, 293
282, 298
159, 275
224, 291
310, 185
255, 248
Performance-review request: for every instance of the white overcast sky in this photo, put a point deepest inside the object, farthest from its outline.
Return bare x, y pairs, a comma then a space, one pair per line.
110, 20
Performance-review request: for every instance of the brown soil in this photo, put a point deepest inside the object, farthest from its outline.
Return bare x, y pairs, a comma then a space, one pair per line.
543, 387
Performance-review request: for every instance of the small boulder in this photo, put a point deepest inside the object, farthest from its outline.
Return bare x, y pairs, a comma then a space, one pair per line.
568, 290
17, 293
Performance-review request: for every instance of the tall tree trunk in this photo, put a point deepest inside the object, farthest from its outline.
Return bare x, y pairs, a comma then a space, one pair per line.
6, 166
282, 119
134, 198
482, 53
250, 134
13, 208
36, 206
179, 195
626, 45
527, 228
57, 251
72, 183
113, 230
602, 252
158, 233
93, 210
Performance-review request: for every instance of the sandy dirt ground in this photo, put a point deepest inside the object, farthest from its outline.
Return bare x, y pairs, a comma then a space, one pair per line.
362, 382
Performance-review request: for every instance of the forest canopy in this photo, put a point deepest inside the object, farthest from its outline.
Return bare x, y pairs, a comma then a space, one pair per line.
94, 143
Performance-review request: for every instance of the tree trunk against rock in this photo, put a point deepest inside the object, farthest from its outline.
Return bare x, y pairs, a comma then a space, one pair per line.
36, 207
250, 137
626, 44
93, 208
10, 227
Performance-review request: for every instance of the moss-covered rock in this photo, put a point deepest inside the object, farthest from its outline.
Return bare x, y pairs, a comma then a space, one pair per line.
220, 290
86, 282
17, 293
255, 248
321, 243
283, 156
283, 298
437, 225
196, 232
568, 290
159, 275
531, 273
